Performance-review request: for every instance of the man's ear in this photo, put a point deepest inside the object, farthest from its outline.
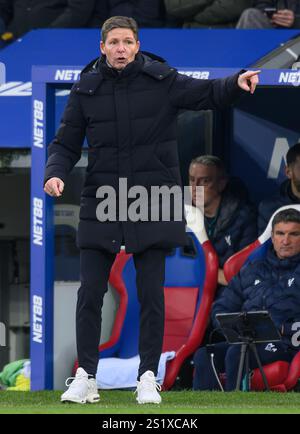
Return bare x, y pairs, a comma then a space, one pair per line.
138, 46
288, 172
102, 47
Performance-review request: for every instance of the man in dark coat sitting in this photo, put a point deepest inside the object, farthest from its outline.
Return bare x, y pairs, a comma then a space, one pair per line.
272, 284
289, 192
126, 104
229, 217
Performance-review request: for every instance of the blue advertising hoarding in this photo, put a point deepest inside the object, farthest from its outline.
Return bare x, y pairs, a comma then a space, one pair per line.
45, 79
42, 242
199, 48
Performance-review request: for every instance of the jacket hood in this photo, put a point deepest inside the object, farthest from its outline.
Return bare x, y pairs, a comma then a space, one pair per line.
149, 60
152, 57
93, 73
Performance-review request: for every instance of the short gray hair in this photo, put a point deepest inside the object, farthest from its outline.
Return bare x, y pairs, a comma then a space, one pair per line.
290, 215
211, 160
119, 22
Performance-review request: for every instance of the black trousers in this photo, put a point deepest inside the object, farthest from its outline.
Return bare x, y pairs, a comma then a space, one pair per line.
95, 268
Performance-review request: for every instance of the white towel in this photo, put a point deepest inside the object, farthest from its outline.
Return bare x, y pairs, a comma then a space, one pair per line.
114, 373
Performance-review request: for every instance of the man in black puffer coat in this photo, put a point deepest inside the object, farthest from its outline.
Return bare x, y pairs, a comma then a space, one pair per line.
126, 104
289, 192
272, 284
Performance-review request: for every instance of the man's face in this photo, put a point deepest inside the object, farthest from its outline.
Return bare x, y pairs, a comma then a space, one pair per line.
286, 239
120, 47
209, 178
293, 173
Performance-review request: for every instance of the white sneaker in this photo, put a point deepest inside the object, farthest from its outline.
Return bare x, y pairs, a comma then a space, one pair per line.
147, 389
82, 389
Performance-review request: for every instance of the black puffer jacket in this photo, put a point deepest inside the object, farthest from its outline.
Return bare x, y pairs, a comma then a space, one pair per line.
236, 224
129, 119
271, 284
26, 15
268, 206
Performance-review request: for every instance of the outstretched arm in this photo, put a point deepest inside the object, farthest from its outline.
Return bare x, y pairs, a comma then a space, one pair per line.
196, 94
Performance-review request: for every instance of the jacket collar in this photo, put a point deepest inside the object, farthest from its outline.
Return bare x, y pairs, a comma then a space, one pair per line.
131, 70
156, 66
97, 70
286, 264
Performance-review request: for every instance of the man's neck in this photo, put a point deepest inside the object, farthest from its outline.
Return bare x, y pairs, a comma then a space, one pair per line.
295, 191
110, 66
212, 209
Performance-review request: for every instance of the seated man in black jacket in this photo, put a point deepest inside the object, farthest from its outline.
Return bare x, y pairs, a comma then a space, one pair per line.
230, 220
271, 283
289, 193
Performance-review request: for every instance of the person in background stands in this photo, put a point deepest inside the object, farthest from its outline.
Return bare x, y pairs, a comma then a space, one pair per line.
18, 17
207, 13
270, 14
230, 219
146, 13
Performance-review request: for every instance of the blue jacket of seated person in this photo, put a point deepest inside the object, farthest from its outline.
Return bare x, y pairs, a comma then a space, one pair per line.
271, 284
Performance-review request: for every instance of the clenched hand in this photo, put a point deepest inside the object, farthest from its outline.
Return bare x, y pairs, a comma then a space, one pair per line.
54, 187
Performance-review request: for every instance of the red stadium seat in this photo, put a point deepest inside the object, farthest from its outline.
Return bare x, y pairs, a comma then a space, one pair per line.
190, 283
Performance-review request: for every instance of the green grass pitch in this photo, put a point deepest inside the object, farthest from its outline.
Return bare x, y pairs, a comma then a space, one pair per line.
123, 402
